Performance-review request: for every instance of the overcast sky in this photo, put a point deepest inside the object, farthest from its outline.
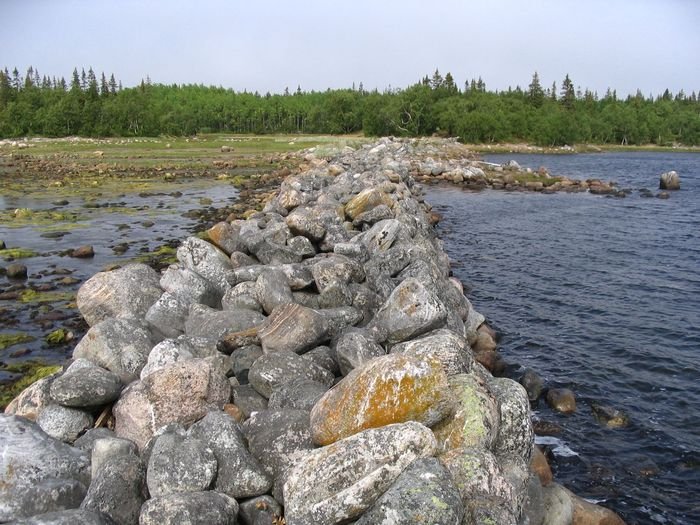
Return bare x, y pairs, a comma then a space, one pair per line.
269, 45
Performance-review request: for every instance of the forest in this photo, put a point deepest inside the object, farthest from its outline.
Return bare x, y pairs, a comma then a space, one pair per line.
34, 105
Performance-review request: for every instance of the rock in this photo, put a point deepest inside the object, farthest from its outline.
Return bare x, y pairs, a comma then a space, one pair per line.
38, 473
410, 310
104, 449
67, 517
337, 483
325, 357
540, 466
487, 510
451, 350
179, 464
126, 292
532, 383
206, 260
559, 509
336, 269
226, 237
32, 400
85, 384
669, 181
239, 474
248, 400
63, 423
190, 287
243, 296
302, 221
166, 353
609, 416
16, 271
663, 195
193, 508
86, 442
293, 328
119, 345
515, 434
388, 389
382, 235
272, 370
272, 290
354, 348
83, 252
242, 359
484, 343
182, 392
215, 324
340, 318
562, 400
475, 422
423, 493
586, 513
300, 394
168, 315
263, 510
366, 200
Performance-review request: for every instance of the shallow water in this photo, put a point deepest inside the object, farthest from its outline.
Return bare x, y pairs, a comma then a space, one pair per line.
600, 295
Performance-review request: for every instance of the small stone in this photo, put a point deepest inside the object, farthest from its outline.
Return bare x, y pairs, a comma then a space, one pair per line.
83, 252
63, 423
532, 383
32, 400
669, 181
562, 400
16, 271
609, 416
193, 508
263, 510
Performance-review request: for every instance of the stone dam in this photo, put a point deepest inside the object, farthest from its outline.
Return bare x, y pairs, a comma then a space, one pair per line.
313, 364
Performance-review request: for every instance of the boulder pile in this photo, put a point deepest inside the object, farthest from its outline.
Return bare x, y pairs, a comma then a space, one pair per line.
312, 364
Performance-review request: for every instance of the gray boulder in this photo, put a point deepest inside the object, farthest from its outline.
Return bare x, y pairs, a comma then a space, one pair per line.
193, 508
669, 181
263, 510
38, 473
301, 394
450, 349
32, 400
168, 315
293, 328
206, 260
86, 442
85, 384
244, 295
515, 433
272, 370
106, 448
67, 517
64, 423
325, 357
354, 348
272, 290
242, 359
424, 493
337, 483
248, 399
335, 268
166, 353
214, 324
126, 292
189, 286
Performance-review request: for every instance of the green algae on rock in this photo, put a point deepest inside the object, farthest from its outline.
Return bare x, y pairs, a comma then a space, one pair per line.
32, 296
32, 371
16, 253
8, 340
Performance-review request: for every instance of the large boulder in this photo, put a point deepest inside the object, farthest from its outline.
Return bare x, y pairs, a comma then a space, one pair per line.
189, 286
194, 508
390, 389
126, 292
206, 260
32, 400
337, 483
354, 348
444, 345
293, 328
273, 370
67, 517
64, 423
515, 434
38, 473
214, 324
85, 384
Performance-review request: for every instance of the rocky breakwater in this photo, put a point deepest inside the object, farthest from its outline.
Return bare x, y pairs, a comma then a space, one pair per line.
313, 364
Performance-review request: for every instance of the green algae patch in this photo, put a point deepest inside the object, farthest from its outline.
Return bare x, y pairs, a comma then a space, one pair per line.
17, 253
58, 337
8, 340
32, 296
31, 372
164, 255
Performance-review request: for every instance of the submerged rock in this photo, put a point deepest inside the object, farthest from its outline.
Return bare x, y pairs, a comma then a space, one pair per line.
562, 400
670, 181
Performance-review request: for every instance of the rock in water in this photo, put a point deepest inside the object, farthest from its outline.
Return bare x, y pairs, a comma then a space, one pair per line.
562, 400
38, 473
410, 310
669, 181
390, 389
339, 482
424, 493
293, 328
127, 292
193, 508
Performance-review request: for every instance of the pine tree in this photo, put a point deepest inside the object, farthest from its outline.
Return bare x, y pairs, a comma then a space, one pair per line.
437, 81
104, 86
535, 92
112, 85
568, 95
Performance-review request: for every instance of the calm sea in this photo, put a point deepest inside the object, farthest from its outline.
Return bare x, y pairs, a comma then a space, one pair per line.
600, 295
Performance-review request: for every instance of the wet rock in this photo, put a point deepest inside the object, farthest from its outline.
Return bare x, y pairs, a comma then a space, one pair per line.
248, 400
215, 324
119, 345
354, 348
67, 517
540, 466
85, 384
546, 428
337, 483
32, 400
609, 416
390, 389
126, 292
532, 383
515, 434
451, 350
182, 392
410, 310
206, 260
179, 464
263, 510
273, 290
484, 343
669, 181
423, 493
16, 271
586, 513
663, 195
64, 423
83, 252
293, 328
301, 394
38, 473
239, 474
476, 420
190, 287
272, 370
195, 508
562, 400
559, 509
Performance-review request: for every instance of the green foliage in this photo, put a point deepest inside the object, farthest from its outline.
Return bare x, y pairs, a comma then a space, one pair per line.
91, 105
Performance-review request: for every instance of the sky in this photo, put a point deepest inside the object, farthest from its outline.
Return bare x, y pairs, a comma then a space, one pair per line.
269, 45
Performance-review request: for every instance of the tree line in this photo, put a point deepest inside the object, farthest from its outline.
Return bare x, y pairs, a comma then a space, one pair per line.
95, 106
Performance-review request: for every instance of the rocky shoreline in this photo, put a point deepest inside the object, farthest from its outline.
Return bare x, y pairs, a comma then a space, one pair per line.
314, 363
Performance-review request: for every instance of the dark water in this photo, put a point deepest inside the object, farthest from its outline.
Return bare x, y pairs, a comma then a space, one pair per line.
600, 295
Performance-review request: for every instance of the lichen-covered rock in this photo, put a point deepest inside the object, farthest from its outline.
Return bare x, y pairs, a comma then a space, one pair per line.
215, 324
303, 221
515, 434
189, 286
106, 448
206, 260
476, 421
293, 328
423, 494
168, 315
382, 235
366, 200
193, 508
67, 517
182, 392
272, 370
119, 345
354, 348
32, 400
444, 345
64, 423
126, 292
38, 473
337, 483
336, 269
85, 384
226, 237
118, 490
388, 389
410, 310
166, 353
272, 290
239, 474
325, 357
